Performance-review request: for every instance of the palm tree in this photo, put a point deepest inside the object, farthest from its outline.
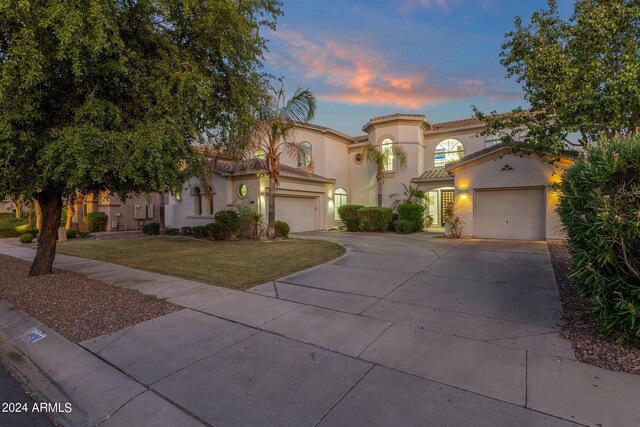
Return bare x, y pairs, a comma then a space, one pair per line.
277, 117
410, 196
380, 158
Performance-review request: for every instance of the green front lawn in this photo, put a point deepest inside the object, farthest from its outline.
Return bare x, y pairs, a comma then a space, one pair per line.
237, 265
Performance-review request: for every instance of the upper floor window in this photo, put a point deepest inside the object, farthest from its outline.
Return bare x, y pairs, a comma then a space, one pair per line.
339, 199
259, 154
386, 147
492, 140
448, 151
304, 158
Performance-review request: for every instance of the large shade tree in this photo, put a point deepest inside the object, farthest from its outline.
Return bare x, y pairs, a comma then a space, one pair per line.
110, 94
581, 76
273, 134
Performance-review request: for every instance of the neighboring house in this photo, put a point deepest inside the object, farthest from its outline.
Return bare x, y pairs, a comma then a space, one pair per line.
129, 215
498, 195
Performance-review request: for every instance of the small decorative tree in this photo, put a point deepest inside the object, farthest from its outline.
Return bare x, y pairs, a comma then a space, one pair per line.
452, 222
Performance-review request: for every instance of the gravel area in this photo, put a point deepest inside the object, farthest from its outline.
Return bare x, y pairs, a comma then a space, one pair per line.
75, 306
589, 344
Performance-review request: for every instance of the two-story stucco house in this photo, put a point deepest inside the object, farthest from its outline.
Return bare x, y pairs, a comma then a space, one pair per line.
497, 194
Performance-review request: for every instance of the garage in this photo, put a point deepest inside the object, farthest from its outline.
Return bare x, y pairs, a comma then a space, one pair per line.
300, 213
510, 214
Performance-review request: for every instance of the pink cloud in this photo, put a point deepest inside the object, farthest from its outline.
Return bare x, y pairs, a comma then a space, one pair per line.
354, 74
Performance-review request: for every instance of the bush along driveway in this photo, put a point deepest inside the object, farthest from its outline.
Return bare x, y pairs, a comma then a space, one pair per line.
400, 330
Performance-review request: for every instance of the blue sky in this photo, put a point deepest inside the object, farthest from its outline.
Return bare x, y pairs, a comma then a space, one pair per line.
369, 58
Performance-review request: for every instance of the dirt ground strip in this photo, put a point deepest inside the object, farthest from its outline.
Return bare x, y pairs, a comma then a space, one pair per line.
589, 344
75, 306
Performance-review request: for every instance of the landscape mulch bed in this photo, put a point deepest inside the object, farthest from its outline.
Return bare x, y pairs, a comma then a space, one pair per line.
589, 344
73, 305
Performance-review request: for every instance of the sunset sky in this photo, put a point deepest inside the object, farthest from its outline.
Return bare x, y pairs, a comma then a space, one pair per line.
365, 58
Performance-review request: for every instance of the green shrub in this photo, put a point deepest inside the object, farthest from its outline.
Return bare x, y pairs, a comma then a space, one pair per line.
453, 223
251, 225
282, 229
199, 231
394, 221
404, 226
413, 213
83, 234
352, 224
9, 232
349, 216
227, 225
95, 221
374, 218
151, 229
72, 233
173, 231
600, 210
186, 231
26, 238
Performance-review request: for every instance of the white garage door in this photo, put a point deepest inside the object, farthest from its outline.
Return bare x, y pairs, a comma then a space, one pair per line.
510, 214
298, 212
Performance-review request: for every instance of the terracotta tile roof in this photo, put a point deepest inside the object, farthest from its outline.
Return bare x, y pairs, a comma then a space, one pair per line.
255, 166
468, 122
434, 175
391, 116
361, 138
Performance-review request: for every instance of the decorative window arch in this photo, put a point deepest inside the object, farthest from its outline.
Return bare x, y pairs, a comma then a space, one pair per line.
197, 200
304, 158
339, 199
448, 150
386, 147
493, 139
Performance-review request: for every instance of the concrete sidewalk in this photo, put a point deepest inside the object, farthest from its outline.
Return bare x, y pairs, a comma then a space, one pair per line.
402, 330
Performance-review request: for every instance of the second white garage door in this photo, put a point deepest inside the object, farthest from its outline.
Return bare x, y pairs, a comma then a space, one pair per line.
299, 213
510, 214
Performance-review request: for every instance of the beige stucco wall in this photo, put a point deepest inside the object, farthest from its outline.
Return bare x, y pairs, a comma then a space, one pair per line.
527, 172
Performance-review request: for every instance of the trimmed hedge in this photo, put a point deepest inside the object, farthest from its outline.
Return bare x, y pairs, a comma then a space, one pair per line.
10, 232
26, 238
186, 231
173, 231
282, 229
413, 213
349, 216
72, 233
199, 231
95, 221
600, 209
226, 226
374, 218
151, 229
404, 226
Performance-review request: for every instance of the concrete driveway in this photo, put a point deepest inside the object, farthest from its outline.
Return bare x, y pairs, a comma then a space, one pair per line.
402, 330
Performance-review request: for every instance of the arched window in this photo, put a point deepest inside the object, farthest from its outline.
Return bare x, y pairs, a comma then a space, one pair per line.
339, 199
386, 147
259, 154
304, 158
448, 151
197, 201
492, 140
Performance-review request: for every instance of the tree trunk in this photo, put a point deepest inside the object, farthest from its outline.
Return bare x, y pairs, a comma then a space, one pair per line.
50, 203
163, 229
71, 211
17, 204
271, 230
379, 193
38, 214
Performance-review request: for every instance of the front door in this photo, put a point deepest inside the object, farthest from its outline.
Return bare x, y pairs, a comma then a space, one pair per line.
447, 196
